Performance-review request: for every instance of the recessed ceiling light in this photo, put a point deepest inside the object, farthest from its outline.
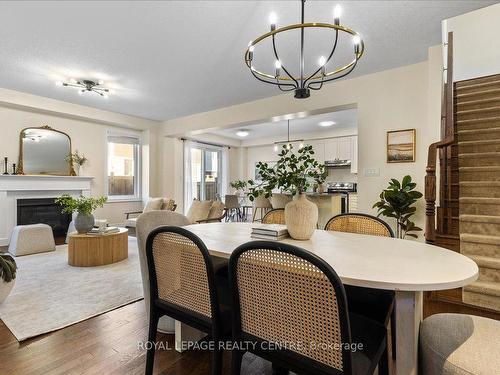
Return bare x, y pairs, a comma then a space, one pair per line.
242, 133
326, 123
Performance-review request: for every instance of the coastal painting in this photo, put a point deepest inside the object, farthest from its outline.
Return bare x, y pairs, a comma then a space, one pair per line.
401, 146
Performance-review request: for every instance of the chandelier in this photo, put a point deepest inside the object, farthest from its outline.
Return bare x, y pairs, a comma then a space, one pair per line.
315, 80
87, 86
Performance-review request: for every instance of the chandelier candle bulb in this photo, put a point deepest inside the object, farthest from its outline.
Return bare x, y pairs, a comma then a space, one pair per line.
337, 12
272, 20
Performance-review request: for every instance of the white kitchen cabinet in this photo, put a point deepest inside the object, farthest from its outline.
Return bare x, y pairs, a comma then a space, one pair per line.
319, 149
354, 153
331, 148
344, 148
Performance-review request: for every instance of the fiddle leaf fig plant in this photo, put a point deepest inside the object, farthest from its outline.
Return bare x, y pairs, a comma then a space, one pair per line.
293, 173
8, 268
397, 201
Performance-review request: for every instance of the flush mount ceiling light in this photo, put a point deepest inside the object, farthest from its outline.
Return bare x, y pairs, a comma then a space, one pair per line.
242, 133
87, 86
315, 79
326, 123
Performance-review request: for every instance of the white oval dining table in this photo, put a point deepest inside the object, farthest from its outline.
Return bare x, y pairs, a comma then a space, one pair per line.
407, 267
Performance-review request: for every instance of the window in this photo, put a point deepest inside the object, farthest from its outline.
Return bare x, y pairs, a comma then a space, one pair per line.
123, 167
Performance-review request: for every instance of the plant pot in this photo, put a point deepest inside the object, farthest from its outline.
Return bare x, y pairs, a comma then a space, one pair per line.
301, 217
84, 223
5, 289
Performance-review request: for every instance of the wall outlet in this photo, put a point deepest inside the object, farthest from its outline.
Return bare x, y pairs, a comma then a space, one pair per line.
371, 172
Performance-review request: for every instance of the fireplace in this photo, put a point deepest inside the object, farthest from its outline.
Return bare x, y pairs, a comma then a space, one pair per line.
44, 211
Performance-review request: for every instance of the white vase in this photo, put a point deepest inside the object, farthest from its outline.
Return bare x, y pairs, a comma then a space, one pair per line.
5, 289
301, 217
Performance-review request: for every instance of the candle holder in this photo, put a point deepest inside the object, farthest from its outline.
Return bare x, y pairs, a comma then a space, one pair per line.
14, 172
5, 161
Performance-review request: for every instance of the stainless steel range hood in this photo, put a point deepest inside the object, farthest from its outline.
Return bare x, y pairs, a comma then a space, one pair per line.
337, 163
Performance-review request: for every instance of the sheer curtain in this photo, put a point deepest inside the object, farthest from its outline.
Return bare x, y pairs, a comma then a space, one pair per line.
224, 172
188, 175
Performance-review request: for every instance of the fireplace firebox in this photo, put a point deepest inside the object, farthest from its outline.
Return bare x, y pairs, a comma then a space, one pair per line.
44, 211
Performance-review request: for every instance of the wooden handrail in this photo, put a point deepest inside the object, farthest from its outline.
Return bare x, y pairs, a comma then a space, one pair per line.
448, 134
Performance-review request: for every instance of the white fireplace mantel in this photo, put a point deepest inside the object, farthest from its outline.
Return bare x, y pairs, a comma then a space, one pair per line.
14, 187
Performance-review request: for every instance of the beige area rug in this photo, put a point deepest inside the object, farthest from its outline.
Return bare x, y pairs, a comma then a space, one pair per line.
50, 295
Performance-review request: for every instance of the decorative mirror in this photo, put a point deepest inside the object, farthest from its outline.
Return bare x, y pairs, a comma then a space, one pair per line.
43, 151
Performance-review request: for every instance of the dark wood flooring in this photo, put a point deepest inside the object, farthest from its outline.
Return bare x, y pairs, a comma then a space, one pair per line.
104, 345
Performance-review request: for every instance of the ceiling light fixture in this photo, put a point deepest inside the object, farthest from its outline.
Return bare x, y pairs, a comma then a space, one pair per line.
86, 86
242, 133
325, 124
305, 82
288, 142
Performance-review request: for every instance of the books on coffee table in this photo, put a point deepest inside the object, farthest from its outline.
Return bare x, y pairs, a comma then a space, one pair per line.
274, 232
108, 230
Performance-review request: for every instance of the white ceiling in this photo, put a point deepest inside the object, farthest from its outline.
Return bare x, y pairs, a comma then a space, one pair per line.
299, 127
173, 58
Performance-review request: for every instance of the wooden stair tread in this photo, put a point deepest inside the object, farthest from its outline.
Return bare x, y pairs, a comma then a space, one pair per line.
479, 142
480, 183
475, 131
484, 287
486, 261
478, 120
480, 218
478, 110
480, 238
479, 154
467, 94
491, 168
478, 101
477, 85
479, 200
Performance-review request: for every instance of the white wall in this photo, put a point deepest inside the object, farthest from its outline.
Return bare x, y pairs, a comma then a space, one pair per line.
389, 100
87, 128
476, 51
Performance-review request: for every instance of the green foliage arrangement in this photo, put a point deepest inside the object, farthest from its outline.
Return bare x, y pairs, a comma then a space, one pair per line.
82, 205
8, 268
76, 159
397, 202
293, 173
238, 184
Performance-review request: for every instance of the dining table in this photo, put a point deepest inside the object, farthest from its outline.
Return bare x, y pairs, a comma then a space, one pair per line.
407, 267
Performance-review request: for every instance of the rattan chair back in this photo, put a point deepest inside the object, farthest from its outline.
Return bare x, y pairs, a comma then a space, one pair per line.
181, 271
360, 224
276, 216
283, 294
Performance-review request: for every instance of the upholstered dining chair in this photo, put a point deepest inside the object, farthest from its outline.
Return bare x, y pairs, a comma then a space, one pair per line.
261, 205
233, 208
276, 216
373, 303
182, 285
291, 304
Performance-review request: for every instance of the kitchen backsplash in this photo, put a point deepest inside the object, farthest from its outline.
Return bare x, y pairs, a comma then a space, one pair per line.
341, 175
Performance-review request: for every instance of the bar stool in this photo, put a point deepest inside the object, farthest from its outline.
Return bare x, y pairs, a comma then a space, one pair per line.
262, 205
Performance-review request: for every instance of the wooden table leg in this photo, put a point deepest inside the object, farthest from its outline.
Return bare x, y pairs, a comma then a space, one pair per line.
408, 318
184, 335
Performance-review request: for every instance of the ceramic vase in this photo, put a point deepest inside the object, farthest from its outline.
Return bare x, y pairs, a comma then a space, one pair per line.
5, 289
301, 217
84, 223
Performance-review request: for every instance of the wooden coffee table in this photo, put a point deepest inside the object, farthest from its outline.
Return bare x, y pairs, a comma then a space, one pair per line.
86, 250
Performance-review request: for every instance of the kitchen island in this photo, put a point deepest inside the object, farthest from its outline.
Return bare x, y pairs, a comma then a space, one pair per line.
329, 205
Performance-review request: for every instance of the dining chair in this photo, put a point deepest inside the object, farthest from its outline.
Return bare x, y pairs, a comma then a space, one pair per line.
374, 303
276, 216
183, 286
261, 204
291, 307
233, 208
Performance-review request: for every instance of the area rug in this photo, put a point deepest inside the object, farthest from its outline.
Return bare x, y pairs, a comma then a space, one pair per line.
50, 295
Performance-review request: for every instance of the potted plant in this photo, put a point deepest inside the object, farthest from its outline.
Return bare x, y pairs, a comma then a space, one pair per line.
84, 220
8, 269
320, 180
293, 173
239, 186
397, 201
77, 161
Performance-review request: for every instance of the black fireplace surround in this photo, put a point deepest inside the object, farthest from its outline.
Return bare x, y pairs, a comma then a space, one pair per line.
43, 211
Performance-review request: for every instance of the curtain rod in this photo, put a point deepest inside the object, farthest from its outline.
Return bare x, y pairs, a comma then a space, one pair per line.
205, 143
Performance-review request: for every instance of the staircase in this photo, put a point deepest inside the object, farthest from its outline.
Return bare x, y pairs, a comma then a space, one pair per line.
478, 127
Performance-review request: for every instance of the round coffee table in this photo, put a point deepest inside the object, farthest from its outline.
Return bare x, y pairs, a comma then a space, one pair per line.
87, 250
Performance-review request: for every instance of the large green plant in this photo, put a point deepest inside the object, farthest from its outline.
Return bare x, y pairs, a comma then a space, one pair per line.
293, 173
81, 205
397, 202
8, 268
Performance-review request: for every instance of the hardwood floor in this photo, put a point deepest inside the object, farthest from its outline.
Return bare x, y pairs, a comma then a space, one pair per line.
105, 345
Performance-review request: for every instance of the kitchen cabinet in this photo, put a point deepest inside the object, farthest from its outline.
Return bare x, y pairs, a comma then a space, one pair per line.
319, 149
344, 148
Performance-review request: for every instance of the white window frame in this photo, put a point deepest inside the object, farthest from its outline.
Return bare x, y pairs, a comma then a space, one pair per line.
137, 167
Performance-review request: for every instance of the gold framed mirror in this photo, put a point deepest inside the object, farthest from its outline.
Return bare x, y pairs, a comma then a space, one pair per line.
44, 151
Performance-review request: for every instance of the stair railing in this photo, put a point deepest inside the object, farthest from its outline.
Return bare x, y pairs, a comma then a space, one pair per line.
443, 146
